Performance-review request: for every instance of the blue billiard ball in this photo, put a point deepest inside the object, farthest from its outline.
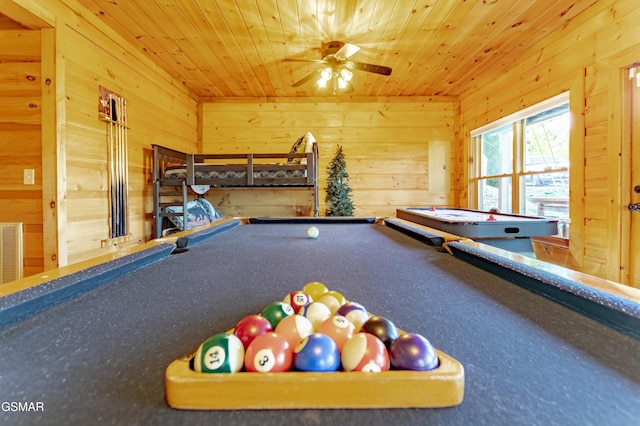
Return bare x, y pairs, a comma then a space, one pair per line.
317, 352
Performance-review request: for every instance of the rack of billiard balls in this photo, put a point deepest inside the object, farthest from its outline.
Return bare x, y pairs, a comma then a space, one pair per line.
314, 330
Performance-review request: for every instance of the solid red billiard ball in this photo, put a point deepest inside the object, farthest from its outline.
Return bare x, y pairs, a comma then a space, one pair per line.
317, 352
276, 311
294, 329
220, 353
382, 328
251, 326
365, 352
339, 328
297, 300
268, 353
412, 351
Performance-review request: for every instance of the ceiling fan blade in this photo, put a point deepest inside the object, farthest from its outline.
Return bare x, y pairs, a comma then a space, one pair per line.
302, 60
306, 78
377, 69
346, 52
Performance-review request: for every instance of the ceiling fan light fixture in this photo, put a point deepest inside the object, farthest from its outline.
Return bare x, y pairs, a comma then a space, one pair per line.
326, 74
346, 75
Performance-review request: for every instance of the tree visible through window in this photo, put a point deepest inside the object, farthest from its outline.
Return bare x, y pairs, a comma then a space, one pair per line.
524, 163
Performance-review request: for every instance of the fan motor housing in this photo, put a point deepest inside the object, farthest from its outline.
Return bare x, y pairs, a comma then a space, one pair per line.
331, 47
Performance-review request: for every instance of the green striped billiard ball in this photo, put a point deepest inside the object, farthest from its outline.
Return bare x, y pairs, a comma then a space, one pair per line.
276, 311
220, 353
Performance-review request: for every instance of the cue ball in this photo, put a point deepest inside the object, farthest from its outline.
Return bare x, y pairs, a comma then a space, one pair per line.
249, 327
413, 352
365, 352
317, 352
313, 232
268, 353
316, 312
220, 353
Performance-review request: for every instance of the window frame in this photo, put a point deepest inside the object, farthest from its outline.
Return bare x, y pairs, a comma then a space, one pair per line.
518, 171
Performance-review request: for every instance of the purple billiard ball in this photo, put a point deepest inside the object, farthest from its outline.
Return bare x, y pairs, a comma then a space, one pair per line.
317, 352
412, 351
354, 312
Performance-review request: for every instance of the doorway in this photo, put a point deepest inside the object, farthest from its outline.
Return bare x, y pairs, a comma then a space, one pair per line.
634, 175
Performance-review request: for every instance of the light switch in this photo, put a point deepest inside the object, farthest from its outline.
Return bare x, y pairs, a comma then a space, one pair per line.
29, 176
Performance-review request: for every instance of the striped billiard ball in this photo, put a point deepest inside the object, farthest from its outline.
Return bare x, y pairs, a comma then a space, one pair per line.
220, 353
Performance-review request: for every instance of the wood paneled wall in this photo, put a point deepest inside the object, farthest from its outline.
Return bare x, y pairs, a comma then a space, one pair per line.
575, 58
159, 111
20, 139
387, 144
87, 55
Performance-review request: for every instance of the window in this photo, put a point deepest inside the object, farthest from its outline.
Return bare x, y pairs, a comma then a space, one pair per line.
522, 163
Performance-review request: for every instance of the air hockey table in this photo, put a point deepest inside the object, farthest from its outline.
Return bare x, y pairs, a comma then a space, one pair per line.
507, 231
93, 343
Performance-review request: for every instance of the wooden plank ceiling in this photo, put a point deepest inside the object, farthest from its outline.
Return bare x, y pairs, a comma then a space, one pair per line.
236, 48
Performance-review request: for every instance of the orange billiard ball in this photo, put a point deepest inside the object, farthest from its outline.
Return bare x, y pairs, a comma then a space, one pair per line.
294, 328
339, 328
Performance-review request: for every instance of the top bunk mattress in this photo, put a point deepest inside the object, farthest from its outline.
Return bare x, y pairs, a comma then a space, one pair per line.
267, 172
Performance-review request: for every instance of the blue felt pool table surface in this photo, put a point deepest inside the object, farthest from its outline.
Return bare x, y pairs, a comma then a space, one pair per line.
100, 357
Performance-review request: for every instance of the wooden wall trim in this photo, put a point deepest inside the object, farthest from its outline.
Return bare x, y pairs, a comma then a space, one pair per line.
626, 98
52, 216
332, 99
29, 13
577, 175
614, 165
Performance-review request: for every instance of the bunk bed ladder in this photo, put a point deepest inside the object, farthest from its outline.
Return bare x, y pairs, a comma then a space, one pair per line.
159, 214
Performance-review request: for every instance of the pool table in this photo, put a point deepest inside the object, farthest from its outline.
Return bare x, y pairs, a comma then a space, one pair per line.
90, 344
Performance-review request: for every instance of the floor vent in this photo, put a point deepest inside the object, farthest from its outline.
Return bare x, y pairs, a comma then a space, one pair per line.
10, 252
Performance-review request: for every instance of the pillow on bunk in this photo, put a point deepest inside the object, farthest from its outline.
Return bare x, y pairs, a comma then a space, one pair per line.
199, 212
211, 211
302, 146
173, 166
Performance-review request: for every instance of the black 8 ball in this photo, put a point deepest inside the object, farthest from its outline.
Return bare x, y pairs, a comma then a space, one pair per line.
382, 328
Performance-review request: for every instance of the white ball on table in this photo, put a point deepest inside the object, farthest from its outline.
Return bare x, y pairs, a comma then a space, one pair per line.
313, 232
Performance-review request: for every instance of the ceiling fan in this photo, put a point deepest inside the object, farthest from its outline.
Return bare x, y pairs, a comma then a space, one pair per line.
336, 67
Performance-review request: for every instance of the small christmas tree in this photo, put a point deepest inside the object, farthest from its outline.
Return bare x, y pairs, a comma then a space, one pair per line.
338, 187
